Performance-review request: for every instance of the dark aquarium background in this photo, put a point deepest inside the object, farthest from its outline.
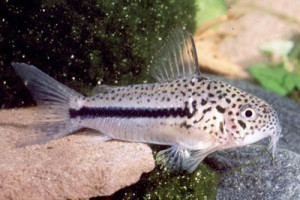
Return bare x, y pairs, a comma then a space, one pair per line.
84, 43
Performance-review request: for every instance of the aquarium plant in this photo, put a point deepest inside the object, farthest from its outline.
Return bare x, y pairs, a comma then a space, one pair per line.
283, 76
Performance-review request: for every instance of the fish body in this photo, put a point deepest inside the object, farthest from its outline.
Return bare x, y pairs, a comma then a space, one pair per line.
193, 114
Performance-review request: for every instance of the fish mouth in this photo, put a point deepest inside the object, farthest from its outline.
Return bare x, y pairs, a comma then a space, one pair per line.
273, 141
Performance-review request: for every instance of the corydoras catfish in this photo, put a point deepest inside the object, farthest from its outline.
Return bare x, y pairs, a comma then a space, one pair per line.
192, 114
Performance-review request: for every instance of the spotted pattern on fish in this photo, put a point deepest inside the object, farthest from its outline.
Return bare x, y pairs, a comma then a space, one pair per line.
213, 107
193, 114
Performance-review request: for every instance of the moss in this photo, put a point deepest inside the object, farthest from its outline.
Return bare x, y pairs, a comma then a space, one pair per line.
160, 184
82, 43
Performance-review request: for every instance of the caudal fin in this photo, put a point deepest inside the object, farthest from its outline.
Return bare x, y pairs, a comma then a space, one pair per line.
54, 99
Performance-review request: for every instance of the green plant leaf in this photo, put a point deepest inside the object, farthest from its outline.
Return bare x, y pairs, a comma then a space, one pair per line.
261, 72
297, 82
274, 86
290, 81
270, 78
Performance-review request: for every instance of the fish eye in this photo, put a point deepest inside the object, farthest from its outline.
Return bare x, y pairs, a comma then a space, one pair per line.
248, 112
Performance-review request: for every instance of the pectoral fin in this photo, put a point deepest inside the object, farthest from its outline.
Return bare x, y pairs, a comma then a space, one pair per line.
173, 158
178, 160
196, 158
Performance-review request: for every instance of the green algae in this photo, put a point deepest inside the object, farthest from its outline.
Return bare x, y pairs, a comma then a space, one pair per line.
85, 43
161, 184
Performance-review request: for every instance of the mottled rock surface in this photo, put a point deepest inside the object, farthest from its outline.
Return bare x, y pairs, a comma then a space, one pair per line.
248, 173
68, 168
244, 177
261, 22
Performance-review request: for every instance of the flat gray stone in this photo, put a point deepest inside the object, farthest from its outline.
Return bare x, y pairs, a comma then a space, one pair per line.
248, 173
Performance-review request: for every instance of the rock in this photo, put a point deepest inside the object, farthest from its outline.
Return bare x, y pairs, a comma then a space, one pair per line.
67, 168
233, 45
260, 179
261, 22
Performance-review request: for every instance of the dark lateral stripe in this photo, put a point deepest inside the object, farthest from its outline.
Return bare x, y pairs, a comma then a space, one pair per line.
93, 112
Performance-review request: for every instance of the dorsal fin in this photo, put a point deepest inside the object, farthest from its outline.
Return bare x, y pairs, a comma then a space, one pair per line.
177, 59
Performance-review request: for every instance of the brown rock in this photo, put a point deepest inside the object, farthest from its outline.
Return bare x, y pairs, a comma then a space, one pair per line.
233, 45
260, 22
67, 168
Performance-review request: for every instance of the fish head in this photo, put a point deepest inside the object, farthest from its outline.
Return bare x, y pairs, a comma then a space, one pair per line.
249, 119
